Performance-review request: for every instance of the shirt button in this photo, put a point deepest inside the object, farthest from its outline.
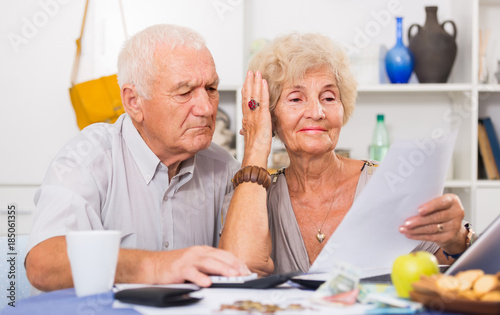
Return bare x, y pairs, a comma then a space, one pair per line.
166, 244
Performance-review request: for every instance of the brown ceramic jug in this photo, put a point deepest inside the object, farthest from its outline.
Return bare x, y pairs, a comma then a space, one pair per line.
433, 48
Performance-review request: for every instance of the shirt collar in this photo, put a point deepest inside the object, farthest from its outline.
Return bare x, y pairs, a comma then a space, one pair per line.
145, 159
187, 170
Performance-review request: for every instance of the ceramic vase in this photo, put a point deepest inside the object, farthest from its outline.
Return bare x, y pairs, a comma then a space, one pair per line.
399, 59
433, 47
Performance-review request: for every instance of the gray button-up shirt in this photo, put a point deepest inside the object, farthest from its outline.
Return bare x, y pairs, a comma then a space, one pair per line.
108, 178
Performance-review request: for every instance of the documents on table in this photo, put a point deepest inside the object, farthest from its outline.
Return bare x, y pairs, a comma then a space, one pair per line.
289, 299
412, 173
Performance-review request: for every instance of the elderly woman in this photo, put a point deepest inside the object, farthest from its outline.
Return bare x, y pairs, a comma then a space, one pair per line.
300, 88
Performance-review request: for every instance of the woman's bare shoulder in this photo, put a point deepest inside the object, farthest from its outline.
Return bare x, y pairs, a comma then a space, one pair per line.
352, 166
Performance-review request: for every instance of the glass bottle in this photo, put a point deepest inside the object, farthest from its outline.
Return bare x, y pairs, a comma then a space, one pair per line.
380, 141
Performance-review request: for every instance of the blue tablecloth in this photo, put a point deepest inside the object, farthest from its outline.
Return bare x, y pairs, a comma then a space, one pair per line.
66, 302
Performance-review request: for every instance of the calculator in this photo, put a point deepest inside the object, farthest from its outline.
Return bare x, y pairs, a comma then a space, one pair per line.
251, 281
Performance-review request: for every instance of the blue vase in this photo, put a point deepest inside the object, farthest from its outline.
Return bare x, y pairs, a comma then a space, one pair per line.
399, 60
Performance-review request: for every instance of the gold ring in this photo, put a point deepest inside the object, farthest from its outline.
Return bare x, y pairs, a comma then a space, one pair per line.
440, 228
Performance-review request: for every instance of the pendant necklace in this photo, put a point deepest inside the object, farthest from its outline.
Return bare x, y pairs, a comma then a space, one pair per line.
321, 236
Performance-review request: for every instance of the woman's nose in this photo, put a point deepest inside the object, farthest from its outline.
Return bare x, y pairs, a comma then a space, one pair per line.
315, 110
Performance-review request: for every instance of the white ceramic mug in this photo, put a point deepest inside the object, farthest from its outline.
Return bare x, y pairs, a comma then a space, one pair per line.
93, 256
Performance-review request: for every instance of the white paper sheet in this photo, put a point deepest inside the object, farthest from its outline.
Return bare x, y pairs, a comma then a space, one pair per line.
214, 298
412, 173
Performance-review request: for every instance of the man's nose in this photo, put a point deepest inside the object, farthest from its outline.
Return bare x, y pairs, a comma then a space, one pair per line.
203, 103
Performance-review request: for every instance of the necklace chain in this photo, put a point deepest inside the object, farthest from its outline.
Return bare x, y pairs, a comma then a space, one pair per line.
321, 236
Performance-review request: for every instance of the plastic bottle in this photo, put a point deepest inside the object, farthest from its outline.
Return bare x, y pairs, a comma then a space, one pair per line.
380, 141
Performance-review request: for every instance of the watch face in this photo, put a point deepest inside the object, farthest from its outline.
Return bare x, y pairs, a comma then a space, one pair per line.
471, 236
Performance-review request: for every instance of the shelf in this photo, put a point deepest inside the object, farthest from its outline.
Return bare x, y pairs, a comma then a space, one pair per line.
457, 184
404, 88
489, 88
489, 2
483, 183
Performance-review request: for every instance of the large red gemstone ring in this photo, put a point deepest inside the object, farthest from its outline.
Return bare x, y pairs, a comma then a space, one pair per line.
252, 104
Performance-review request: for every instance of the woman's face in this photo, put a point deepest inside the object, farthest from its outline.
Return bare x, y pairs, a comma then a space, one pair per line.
309, 114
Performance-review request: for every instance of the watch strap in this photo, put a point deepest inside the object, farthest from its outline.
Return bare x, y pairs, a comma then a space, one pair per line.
469, 239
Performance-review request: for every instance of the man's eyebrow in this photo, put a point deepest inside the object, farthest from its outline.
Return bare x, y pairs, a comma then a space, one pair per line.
190, 84
213, 82
183, 84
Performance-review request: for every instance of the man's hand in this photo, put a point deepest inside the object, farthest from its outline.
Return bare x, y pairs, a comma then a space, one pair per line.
195, 264
48, 268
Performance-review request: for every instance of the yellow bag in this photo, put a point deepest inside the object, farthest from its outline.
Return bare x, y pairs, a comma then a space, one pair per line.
96, 100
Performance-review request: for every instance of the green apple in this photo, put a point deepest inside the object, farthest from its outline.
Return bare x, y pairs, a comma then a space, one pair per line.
408, 269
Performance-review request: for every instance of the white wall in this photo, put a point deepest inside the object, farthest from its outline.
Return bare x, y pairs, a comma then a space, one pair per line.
37, 52
37, 115
38, 48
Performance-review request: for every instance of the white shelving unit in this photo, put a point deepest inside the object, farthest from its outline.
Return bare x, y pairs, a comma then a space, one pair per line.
420, 88
486, 192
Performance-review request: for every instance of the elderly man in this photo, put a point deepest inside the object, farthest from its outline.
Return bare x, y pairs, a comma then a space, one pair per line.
154, 174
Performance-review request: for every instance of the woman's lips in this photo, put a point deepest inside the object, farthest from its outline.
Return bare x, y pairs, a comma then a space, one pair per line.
312, 129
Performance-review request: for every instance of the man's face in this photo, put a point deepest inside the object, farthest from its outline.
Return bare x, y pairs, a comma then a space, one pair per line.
179, 118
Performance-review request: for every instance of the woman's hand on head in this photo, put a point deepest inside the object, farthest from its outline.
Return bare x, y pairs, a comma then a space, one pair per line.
439, 221
257, 126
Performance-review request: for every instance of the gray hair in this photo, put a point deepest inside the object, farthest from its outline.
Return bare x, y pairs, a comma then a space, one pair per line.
136, 63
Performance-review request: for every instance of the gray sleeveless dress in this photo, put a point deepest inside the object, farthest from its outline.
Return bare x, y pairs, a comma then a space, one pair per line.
289, 252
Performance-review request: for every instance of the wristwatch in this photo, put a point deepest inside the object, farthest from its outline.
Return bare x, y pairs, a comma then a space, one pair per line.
469, 239
471, 235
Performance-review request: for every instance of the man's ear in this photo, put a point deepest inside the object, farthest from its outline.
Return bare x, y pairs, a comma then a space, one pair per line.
132, 102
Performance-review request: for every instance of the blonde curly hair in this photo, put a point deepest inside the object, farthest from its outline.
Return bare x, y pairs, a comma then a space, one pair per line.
289, 57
